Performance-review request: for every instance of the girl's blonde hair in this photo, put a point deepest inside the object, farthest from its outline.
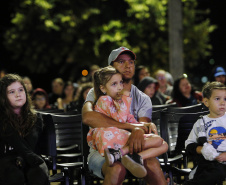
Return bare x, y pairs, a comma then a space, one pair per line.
101, 77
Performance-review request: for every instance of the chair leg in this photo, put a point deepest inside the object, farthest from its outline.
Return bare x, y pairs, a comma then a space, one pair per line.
66, 176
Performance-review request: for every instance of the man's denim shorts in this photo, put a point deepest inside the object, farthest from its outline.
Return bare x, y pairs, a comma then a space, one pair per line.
95, 163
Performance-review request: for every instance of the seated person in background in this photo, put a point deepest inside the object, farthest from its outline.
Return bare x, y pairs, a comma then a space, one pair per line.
169, 79
206, 141
140, 73
150, 86
164, 86
57, 91
28, 84
40, 99
218, 74
183, 93
80, 97
123, 60
111, 101
67, 96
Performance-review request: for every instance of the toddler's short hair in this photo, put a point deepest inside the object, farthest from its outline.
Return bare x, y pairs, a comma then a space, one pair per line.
210, 86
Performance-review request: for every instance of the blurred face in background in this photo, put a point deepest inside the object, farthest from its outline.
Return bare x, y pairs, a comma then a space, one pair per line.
69, 91
57, 88
221, 78
185, 86
150, 90
39, 101
28, 84
161, 77
143, 73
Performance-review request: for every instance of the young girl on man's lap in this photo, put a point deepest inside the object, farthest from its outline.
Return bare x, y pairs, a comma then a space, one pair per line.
111, 142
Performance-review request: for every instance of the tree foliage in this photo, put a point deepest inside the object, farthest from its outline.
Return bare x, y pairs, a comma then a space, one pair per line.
69, 35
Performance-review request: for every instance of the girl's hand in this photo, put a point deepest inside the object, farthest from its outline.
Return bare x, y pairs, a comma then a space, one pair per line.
222, 157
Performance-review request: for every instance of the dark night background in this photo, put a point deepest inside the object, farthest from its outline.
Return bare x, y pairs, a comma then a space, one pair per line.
218, 37
217, 16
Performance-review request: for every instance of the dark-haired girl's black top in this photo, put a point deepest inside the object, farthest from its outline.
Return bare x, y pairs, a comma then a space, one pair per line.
17, 153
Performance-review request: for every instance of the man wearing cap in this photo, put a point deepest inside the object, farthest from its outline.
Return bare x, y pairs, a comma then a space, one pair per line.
123, 60
220, 74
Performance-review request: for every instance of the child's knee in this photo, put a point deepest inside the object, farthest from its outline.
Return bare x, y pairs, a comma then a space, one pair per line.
165, 146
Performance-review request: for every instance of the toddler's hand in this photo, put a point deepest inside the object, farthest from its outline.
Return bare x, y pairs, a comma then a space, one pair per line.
221, 158
209, 152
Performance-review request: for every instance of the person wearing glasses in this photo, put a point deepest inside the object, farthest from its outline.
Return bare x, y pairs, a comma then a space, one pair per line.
164, 86
40, 99
123, 60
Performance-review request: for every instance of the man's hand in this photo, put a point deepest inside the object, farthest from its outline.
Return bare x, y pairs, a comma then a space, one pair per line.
152, 128
147, 127
136, 140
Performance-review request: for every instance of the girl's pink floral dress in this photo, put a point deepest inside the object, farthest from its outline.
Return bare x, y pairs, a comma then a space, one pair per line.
111, 137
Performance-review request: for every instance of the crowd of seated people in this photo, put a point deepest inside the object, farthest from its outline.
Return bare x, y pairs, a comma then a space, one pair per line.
160, 87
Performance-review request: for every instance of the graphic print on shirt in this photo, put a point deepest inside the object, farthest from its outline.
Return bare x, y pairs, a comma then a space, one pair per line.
217, 137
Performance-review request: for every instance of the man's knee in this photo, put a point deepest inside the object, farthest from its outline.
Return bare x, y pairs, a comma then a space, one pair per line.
116, 173
152, 164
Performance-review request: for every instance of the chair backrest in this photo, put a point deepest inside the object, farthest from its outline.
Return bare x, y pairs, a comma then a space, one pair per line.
49, 110
187, 109
59, 131
159, 107
72, 112
175, 128
185, 126
68, 129
156, 118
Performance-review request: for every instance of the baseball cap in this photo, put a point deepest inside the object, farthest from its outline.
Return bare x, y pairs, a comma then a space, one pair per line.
116, 52
219, 71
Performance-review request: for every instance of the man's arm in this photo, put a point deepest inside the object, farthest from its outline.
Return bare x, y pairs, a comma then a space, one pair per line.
151, 126
95, 119
136, 139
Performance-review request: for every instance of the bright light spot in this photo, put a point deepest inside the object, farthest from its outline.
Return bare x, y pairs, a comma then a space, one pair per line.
84, 72
204, 79
212, 62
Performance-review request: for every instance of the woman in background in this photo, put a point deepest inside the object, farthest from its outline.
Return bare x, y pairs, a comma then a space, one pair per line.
67, 97
140, 73
183, 93
40, 99
150, 86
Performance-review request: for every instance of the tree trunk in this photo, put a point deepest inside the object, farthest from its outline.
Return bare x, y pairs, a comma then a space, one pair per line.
175, 38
